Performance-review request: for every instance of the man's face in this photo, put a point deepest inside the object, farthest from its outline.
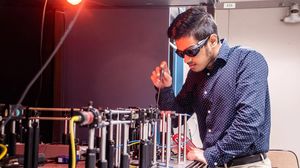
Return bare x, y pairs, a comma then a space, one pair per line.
201, 60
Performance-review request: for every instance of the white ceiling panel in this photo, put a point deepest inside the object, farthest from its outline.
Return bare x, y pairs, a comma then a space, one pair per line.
245, 4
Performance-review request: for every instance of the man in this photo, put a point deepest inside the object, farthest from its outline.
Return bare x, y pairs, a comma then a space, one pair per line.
226, 87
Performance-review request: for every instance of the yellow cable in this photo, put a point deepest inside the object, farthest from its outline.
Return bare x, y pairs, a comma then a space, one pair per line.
72, 139
4, 151
134, 143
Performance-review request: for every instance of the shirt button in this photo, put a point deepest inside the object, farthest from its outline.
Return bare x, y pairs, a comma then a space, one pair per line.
215, 163
209, 130
205, 92
208, 74
208, 111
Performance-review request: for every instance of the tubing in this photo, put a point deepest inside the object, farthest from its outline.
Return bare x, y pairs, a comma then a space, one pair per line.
4, 148
72, 139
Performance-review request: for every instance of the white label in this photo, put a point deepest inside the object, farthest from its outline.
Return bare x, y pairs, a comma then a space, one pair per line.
229, 5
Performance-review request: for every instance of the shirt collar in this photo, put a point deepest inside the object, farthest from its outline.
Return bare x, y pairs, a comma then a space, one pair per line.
224, 50
221, 59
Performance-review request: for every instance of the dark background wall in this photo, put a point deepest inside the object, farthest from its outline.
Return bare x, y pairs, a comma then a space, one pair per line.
109, 56
20, 57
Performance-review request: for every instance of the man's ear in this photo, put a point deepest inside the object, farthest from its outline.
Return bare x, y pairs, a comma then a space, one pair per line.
213, 40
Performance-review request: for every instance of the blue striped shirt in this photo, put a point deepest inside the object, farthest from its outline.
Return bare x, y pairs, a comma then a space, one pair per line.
231, 102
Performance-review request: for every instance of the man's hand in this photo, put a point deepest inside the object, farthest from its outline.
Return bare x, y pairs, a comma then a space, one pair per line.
161, 76
196, 154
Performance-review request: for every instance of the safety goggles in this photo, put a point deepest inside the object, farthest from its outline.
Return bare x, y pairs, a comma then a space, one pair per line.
193, 50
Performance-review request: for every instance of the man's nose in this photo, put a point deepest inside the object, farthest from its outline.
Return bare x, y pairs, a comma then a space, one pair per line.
187, 59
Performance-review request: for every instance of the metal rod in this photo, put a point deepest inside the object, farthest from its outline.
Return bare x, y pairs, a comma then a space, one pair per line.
91, 143
53, 109
111, 154
117, 144
120, 143
141, 131
66, 126
168, 139
179, 138
184, 137
103, 143
28, 146
125, 139
163, 137
2, 127
74, 130
103, 161
49, 118
117, 147
149, 129
111, 131
154, 142
119, 122
67, 118
91, 152
12, 136
111, 145
146, 125
119, 111
65, 134
98, 143
36, 142
143, 154
125, 157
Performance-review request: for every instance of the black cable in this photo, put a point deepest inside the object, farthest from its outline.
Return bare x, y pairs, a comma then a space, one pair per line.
46, 63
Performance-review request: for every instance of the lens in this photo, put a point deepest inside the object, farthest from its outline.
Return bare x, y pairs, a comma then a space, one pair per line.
192, 52
180, 53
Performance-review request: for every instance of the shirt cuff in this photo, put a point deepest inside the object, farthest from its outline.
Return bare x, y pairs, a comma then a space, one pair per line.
213, 157
166, 89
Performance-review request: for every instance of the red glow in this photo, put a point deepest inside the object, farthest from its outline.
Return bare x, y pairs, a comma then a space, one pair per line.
74, 2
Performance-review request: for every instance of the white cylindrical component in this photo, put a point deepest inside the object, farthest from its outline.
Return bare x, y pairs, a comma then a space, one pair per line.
120, 122
119, 111
142, 131
66, 126
2, 128
184, 137
117, 146
99, 133
111, 128
103, 143
120, 143
168, 139
154, 142
149, 129
163, 137
179, 138
146, 125
53, 109
125, 138
74, 127
30, 123
91, 144
13, 129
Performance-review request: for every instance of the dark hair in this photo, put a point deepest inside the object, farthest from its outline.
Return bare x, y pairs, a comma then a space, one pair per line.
193, 22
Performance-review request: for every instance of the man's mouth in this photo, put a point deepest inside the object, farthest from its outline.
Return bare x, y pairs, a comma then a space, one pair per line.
191, 65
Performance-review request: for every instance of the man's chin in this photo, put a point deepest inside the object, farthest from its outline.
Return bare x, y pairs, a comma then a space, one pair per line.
194, 69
